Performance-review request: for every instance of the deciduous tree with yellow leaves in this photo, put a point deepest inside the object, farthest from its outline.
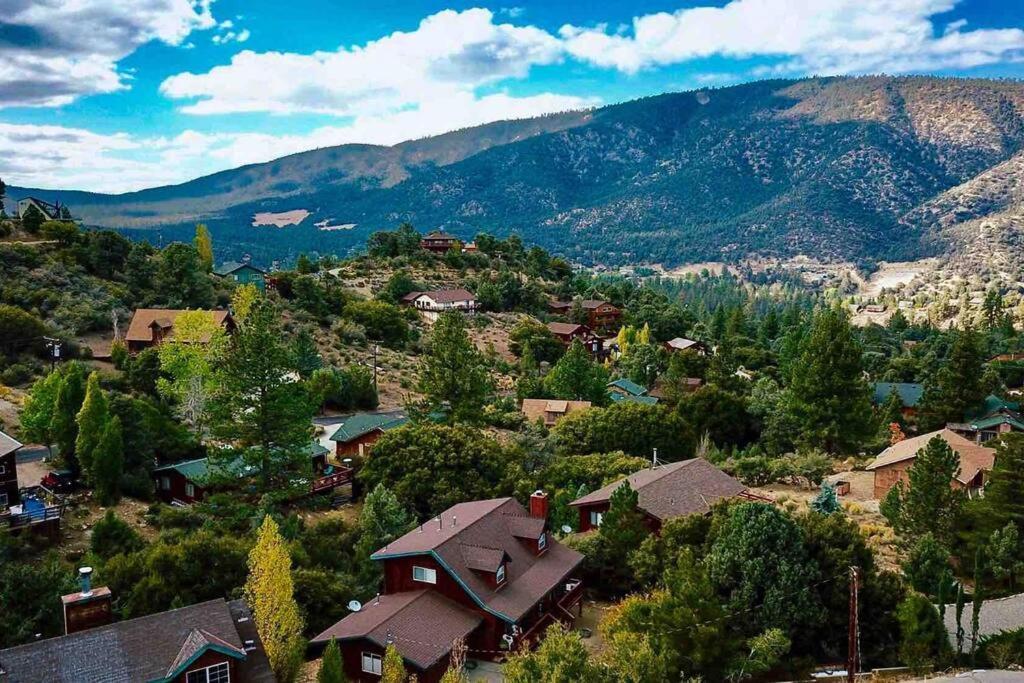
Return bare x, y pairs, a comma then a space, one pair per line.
270, 593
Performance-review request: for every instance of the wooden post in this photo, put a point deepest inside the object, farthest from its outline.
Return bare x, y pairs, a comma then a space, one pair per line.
853, 639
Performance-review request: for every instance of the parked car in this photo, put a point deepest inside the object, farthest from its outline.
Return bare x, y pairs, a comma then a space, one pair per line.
60, 481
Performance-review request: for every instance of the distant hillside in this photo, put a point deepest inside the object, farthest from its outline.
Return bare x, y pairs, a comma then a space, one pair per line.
841, 168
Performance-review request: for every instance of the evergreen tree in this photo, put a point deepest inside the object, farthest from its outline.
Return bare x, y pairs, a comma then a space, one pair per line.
32, 220
258, 405
393, 668
70, 395
203, 244
270, 593
307, 357
108, 463
1005, 552
575, 377
960, 604
180, 280
828, 397
826, 502
924, 641
976, 603
890, 413
621, 532
453, 376
956, 389
92, 422
560, 658
332, 670
1004, 494
382, 520
929, 503
927, 566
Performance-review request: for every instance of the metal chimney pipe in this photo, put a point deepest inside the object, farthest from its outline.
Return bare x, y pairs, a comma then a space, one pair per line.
85, 579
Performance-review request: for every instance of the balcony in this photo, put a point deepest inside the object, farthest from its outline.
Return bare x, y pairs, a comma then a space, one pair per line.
338, 477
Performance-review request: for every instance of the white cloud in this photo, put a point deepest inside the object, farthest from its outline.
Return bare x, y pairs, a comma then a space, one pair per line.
55, 51
450, 53
813, 36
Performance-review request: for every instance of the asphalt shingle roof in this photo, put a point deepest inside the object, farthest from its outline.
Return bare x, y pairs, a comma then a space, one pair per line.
231, 266
973, 457
680, 488
8, 444
140, 330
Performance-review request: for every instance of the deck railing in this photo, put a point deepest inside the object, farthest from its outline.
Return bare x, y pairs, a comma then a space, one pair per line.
343, 475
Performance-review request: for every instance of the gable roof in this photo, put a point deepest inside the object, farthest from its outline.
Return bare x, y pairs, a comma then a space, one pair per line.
682, 343
421, 624
229, 267
140, 328
144, 649
200, 470
447, 296
591, 304
536, 408
197, 642
681, 488
909, 392
567, 328
48, 210
8, 444
360, 424
499, 523
439, 235
628, 386
973, 457
630, 398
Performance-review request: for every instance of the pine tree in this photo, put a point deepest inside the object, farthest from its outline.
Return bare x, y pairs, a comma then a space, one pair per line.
828, 396
270, 593
108, 463
453, 376
307, 357
956, 389
930, 504
382, 520
393, 670
92, 421
203, 243
976, 603
575, 377
32, 220
1004, 493
826, 502
332, 670
70, 395
960, 633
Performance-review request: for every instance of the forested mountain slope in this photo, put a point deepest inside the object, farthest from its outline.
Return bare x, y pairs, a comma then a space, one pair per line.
841, 168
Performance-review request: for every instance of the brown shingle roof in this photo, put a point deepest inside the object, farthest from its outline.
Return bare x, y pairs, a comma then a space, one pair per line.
496, 523
140, 649
8, 444
537, 408
591, 304
483, 559
681, 488
140, 329
447, 296
565, 328
973, 457
421, 624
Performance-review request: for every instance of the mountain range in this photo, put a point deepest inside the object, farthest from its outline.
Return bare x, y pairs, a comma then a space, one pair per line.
853, 169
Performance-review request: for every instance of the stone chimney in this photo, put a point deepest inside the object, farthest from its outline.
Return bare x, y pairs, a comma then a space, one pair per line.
539, 505
89, 607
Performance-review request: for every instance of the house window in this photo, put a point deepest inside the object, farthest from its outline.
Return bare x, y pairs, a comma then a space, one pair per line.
165, 483
190, 490
595, 518
218, 673
3, 500
3, 469
423, 574
542, 541
499, 576
372, 663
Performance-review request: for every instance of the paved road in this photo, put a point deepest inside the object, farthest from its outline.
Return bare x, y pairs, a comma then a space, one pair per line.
30, 453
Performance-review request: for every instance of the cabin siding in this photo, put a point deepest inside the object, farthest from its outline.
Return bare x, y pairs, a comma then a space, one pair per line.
178, 490
9, 481
210, 658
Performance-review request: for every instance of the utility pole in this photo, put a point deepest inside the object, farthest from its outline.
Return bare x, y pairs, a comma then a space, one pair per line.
376, 348
53, 345
853, 646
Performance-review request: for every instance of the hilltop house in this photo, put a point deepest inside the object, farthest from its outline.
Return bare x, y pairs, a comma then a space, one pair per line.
623, 389
433, 304
150, 326
357, 433
909, 392
438, 241
567, 333
242, 273
550, 411
600, 314
51, 212
212, 642
8, 472
664, 492
892, 464
487, 572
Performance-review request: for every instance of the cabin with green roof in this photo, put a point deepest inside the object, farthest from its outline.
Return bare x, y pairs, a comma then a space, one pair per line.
242, 273
357, 433
623, 390
909, 393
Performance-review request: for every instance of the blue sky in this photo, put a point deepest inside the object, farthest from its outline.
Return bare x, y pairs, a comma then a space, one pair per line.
114, 97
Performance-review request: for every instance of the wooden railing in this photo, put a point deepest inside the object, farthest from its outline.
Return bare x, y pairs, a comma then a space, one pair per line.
343, 475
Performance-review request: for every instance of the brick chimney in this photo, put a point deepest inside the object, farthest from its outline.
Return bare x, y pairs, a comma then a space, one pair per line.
539, 505
89, 607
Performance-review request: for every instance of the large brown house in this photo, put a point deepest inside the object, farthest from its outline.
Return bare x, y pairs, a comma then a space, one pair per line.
893, 463
438, 241
665, 492
150, 326
600, 314
432, 304
486, 571
212, 642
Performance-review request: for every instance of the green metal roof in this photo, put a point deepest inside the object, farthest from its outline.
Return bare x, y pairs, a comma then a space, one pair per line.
363, 423
629, 398
996, 420
909, 392
231, 266
199, 470
628, 386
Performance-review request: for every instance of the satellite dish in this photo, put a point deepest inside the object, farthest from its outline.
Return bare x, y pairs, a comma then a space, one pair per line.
566, 529
355, 606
